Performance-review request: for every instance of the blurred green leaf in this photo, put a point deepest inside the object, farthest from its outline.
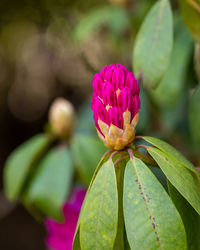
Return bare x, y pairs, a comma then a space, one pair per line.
184, 180
20, 162
50, 186
189, 216
85, 118
113, 17
87, 151
98, 225
144, 120
172, 152
173, 116
194, 115
151, 219
190, 10
153, 44
173, 82
197, 60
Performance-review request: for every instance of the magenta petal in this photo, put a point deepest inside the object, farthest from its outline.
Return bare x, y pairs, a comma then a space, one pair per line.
135, 106
77, 197
125, 100
100, 111
97, 85
123, 68
109, 95
102, 72
118, 78
132, 83
136, 87
116, 117
95, 113
93, 101
109, 72
55, 243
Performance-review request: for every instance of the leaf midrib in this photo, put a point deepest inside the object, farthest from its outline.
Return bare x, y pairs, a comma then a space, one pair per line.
147, 207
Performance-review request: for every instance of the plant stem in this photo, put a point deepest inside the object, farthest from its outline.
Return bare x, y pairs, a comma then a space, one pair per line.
107, 153
131, 153
113, 154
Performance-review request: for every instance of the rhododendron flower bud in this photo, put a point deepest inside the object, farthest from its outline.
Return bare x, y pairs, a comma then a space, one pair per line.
116, 104
62, 117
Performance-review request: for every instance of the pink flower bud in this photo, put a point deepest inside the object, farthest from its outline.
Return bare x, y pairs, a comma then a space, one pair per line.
116, 104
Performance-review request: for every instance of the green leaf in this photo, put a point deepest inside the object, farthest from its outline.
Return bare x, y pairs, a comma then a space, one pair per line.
190, 11
144, 121
197, 60
184, 180
172, 116
119, 241
113, 17
169, 150
174, 79
151, 219
189, 216
51, 183
76, 240
20, 162
154, 44
87, 150
194, 117
98, 224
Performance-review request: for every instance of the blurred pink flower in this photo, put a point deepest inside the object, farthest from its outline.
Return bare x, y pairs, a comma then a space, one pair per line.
60, 235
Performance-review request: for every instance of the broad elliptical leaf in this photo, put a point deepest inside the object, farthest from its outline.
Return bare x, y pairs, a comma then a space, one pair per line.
20, 163
185, 181
99, 217
151, 219
153, 44
190, 217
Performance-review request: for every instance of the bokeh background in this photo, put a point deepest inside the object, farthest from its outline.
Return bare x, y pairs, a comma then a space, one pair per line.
53, 48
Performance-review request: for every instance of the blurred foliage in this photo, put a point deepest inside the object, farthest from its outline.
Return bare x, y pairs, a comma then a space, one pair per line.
194, 118
53, 48
190, 10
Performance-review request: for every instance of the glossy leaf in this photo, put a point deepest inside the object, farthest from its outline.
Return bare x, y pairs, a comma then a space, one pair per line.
87, 151
153, 44
98, 224
184, 180
51, 183
190, 217
169, 150
76, 240
20, 162
151, 219
194, 117
190, 10
174, 79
